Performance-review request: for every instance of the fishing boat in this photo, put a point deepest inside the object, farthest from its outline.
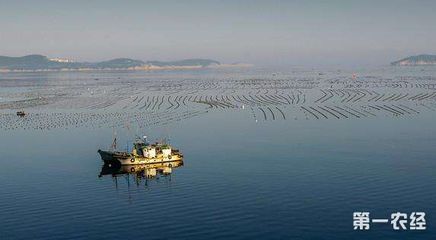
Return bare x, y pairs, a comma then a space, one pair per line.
21, 113
142, 153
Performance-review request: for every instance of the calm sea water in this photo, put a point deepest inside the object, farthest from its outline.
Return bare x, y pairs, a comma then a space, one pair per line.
241, 179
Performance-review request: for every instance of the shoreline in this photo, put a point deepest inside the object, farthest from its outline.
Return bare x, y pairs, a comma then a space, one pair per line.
138, 68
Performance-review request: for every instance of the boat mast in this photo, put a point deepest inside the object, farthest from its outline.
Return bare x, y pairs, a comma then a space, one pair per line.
114, 141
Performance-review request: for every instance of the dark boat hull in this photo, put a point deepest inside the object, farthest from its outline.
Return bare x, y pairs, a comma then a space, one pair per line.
110, 157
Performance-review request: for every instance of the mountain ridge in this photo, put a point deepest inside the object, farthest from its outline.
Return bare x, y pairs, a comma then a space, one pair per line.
41, 62
418, 60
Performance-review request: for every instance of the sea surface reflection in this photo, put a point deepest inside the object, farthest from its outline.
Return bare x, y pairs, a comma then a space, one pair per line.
140, 174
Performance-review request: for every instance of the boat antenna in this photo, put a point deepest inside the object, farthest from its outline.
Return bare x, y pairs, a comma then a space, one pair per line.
138, 127
167, 137
114, 137
127, 125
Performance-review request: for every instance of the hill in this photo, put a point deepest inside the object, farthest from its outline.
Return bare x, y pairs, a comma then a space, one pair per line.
419, 60
186, 62
35, 61
119, 63
40, 62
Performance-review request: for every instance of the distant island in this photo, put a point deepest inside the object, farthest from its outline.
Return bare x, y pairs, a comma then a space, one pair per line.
419, 60
43, 63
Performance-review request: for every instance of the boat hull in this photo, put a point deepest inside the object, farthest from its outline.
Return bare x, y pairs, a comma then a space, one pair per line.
120, 158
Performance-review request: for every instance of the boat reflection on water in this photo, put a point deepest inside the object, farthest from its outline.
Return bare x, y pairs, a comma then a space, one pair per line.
140, 172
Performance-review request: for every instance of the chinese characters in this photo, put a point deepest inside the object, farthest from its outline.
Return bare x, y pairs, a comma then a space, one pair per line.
398, 220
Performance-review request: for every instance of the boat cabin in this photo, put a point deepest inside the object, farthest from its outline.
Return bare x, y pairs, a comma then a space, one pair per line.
144, 149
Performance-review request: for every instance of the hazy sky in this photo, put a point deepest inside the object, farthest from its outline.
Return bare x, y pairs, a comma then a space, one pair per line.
259, 32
